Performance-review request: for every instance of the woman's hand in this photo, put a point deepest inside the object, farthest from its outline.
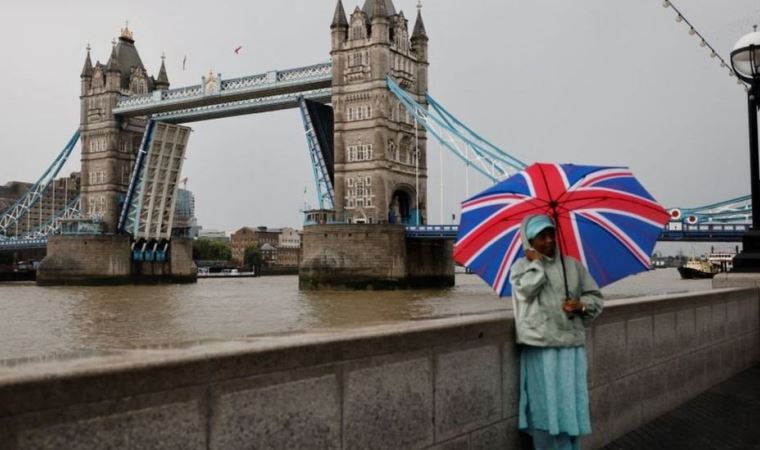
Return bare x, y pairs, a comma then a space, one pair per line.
532, 255
573, 305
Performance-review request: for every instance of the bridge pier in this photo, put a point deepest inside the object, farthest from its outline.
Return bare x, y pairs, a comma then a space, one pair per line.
372, 256
106, 259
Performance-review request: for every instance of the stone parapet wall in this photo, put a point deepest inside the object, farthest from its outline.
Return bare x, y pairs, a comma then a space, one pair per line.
436, 384
649, 355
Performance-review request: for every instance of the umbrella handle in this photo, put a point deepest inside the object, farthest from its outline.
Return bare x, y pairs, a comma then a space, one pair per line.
559, 249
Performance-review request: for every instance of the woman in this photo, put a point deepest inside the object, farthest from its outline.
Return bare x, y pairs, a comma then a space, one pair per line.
552, 305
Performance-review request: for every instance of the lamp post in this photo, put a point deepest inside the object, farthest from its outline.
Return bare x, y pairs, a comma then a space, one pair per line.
745, 61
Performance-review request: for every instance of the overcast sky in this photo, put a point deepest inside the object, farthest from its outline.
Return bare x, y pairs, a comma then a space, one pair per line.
592, 81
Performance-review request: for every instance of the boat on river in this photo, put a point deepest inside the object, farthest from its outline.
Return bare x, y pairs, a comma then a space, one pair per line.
707, 266
697, 269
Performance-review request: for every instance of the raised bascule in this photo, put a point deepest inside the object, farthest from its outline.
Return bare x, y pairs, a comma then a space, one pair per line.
367, 117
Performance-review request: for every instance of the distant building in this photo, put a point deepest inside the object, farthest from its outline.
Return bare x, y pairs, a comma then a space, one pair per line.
289, 238
269, 254
54, 200
280, 247
247, 237
289, 250
185, 223
214, 235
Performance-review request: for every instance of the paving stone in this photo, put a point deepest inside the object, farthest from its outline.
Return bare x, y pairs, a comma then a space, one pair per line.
722, 418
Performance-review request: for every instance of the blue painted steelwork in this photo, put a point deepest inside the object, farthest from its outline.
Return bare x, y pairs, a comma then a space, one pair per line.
706, 233
217, 91
468, 146
733, 210
689, 233
22, 206
130, 208
324, 188
53, 226
432, 231
23, 244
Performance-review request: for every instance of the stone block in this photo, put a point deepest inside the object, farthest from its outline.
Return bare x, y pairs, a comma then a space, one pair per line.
510, 380
714, 366
654, 392
718, 328
161, 421
492, 437
460, 443
732, 318
686, 329
727, 358
754, 347
746, 319
754, 313
277, 411
601, 416
674, 380
610, 359
692, 373
8, 434
590, 355
665, 343
516, 439
389, 405
704, 318
467, 390
640, 339
625, 395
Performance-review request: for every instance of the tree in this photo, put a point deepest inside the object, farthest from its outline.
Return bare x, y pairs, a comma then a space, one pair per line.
206, 250
253, 258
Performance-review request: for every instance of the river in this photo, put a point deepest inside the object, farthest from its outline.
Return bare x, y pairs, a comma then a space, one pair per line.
64, 322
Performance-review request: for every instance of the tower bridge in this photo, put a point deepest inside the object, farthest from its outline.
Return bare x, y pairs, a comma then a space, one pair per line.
367, 117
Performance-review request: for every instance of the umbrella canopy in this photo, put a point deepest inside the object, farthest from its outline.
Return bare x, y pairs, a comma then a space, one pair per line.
605, 219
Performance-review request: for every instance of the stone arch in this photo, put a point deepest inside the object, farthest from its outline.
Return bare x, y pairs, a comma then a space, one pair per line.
402, 205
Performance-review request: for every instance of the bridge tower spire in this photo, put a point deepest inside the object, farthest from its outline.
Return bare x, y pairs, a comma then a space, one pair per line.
378, 168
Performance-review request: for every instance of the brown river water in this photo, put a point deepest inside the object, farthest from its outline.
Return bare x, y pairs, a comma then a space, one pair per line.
66, 322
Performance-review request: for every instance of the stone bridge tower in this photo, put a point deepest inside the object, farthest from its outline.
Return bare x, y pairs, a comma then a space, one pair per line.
379, 172
110, 144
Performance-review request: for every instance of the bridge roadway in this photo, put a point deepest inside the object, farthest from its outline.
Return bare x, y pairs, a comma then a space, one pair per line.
689, 233
216, 98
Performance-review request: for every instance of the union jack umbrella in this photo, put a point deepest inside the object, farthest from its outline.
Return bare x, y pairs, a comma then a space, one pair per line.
605, 219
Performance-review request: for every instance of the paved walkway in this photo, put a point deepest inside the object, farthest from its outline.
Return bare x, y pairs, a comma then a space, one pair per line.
724, 417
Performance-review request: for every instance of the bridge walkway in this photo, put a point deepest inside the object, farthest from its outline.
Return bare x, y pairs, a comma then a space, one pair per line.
727, 416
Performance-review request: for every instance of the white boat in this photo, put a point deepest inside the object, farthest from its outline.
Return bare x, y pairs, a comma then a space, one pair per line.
722, 261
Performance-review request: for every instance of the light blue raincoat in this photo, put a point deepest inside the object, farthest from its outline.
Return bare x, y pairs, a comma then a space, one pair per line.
538, 292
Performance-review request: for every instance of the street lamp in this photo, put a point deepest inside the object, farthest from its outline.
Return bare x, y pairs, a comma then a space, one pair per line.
745, 60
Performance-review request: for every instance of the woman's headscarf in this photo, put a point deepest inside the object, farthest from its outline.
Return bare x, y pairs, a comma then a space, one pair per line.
536, 224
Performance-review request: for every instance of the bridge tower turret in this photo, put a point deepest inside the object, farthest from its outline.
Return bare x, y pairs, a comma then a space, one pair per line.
109, 143
380, 176
86, 83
